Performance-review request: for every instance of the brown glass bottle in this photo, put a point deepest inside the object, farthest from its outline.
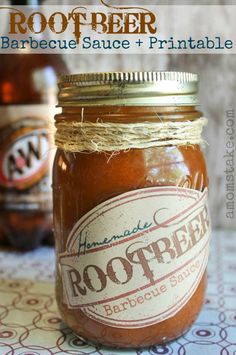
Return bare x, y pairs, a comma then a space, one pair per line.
27, 92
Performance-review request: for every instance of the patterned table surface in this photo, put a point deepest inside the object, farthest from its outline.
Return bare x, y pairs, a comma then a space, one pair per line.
30, 324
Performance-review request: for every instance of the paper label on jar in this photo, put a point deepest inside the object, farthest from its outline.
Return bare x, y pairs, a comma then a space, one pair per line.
25, 157
137, 259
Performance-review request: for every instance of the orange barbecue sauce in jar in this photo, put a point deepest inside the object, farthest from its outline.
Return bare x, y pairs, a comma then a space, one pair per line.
130, 206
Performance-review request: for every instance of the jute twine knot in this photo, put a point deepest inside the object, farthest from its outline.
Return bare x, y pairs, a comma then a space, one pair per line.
113, 137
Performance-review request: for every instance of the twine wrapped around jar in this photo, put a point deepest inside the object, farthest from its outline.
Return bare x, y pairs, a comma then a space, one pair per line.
83, 136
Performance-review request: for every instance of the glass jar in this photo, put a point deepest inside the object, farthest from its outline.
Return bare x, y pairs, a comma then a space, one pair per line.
130, 207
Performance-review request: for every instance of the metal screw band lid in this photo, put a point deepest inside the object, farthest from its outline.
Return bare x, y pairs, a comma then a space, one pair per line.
129, 89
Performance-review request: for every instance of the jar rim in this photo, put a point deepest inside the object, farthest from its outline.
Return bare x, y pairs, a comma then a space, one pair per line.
137, 88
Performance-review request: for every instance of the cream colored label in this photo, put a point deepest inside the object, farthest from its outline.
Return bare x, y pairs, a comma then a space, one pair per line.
14, 113
136, 259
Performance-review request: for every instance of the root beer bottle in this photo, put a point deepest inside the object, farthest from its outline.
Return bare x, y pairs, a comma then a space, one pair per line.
27, 96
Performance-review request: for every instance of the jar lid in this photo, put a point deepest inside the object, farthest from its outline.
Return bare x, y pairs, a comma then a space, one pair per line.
129, 89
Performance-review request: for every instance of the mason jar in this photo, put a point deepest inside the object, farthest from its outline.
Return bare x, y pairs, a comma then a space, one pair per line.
131, 219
